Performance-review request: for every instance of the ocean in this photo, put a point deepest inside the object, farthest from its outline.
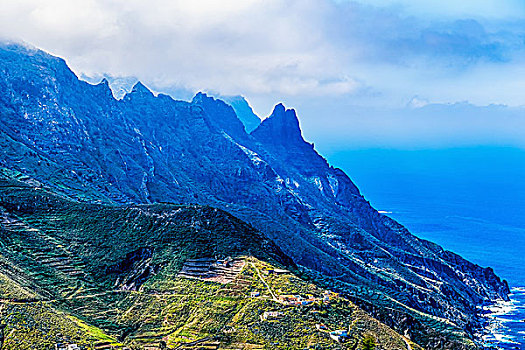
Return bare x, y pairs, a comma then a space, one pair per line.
469, 200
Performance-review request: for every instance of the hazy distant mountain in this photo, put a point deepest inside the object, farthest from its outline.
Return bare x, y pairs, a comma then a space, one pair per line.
78, 141
244, 112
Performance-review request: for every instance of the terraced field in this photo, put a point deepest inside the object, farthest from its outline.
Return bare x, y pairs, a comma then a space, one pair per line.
208, 269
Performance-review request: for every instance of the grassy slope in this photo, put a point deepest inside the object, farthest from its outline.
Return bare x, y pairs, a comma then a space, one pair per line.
60, 261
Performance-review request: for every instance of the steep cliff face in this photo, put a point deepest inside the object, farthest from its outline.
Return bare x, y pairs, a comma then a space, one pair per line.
221, 114
281, 128
77, 140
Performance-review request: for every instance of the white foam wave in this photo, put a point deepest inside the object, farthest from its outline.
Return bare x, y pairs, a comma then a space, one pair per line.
500, 314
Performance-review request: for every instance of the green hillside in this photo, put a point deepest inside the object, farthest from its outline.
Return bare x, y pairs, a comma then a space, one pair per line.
155, 276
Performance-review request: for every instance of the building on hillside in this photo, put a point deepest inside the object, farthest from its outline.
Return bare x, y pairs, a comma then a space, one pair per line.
254, 294
269, 315
329, 295
228, 330
320, 327
275, 271
295, 300
339, 336
289, 299
309, 299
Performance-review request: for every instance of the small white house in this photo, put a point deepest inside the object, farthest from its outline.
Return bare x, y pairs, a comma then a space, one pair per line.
254, 294
339, 336
268, 315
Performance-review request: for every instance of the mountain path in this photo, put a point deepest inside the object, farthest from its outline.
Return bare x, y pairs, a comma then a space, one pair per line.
274, 298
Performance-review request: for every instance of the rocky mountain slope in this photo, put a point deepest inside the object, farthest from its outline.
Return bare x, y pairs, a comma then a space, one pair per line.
78, 141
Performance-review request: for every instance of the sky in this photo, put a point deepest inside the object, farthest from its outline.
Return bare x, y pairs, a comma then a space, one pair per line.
360, 74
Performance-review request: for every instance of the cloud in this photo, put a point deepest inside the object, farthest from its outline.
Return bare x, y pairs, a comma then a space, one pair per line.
252, 46
386, 35
454, 9
307, 53
258, 47
417, 102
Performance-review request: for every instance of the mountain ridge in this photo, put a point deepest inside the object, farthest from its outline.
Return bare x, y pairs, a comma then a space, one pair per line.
148, 149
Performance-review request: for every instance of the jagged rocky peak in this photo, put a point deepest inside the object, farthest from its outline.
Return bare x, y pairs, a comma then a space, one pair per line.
104, 87
214, 104
201, 97
221, 114
139, 90
281, 127
26, 50
27, 56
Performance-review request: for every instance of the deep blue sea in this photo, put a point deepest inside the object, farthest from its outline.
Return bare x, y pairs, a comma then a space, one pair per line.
468, 200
